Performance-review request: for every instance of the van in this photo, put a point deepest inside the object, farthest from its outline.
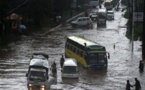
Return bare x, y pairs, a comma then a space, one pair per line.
70, 68
38, 75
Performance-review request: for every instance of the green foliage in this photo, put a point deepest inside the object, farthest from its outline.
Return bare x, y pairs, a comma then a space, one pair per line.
138, 29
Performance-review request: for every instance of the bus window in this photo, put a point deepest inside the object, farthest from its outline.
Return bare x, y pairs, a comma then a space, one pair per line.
68, 46
79, 52
83, 54
71, 47
74, 49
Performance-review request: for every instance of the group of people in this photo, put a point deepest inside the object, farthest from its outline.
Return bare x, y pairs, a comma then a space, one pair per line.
137, 82
137, 85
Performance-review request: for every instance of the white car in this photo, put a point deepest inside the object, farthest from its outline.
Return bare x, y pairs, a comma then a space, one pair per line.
110, 15
70, 68
82, 21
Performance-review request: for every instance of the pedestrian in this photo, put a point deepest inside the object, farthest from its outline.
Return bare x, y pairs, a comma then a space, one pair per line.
86, 14
61, 61
114, 46
128, 85
141, 65
53, 67
58, 19
137, 84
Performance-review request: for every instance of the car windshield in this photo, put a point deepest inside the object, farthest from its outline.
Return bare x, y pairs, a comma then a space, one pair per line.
37, 75
70, 69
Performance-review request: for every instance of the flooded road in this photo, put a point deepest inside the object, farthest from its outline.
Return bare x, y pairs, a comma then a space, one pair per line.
14, 58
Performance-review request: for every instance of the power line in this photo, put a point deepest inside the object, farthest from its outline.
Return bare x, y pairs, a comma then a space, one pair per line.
17, 6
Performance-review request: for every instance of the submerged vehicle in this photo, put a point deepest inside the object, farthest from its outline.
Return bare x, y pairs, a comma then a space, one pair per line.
102, 17
70, 68
89, 54
38, 75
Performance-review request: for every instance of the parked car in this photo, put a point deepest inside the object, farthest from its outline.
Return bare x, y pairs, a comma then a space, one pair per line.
82, 21
94, 15
110, 15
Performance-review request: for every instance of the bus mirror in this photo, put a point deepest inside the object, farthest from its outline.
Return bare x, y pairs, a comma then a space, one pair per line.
108, 55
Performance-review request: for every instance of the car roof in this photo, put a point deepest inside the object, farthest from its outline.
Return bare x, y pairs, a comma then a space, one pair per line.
70, 62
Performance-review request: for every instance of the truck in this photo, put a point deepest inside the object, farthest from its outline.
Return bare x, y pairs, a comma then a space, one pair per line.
39, 73
102, 17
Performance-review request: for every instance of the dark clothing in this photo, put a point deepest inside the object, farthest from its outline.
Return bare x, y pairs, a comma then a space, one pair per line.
128, 85
53, 68
141, 66
137, 85
61, 61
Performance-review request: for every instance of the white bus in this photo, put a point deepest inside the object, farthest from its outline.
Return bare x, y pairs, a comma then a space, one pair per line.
70, 68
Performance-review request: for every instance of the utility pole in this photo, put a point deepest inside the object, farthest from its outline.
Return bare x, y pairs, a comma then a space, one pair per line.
132, 27
143, 40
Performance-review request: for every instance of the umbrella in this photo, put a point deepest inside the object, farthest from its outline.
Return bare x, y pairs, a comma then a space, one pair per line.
22, 26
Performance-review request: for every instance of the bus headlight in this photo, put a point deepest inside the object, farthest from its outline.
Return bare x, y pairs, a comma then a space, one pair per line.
42, 87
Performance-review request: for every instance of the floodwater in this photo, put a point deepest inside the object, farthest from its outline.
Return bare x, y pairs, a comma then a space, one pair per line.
122, 65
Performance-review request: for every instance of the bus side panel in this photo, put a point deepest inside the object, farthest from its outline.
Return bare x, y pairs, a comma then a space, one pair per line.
70, 54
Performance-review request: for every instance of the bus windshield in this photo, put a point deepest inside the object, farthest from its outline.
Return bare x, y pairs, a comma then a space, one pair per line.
97, 58
69, 69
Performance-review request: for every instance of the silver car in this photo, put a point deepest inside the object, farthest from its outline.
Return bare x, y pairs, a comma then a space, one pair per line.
82, 21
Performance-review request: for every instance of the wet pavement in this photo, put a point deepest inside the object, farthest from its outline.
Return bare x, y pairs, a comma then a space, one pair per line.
14, 58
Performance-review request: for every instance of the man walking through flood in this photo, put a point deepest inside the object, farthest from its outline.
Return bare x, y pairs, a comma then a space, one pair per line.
61, 61
128, 85
137, 84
